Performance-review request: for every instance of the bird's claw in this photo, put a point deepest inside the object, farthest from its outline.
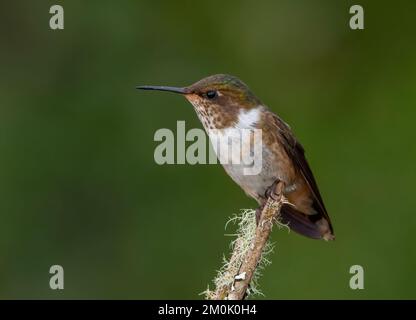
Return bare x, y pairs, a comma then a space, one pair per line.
271, 191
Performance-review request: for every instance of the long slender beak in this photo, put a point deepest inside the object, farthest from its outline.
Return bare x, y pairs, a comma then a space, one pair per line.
164, 88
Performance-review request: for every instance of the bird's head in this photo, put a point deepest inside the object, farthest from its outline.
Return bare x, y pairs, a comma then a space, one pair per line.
218, 98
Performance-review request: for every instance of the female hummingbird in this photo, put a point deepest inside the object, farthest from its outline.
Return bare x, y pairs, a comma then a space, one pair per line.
224, 103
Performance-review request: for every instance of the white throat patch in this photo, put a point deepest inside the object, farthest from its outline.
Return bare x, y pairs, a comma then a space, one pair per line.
248, 119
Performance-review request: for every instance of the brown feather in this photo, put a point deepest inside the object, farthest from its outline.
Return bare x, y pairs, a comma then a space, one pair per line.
297, 154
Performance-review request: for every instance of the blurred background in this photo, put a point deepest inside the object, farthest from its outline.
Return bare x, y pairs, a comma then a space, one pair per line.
79, 186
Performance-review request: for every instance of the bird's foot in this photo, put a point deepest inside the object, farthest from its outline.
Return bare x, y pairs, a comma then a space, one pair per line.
272, 192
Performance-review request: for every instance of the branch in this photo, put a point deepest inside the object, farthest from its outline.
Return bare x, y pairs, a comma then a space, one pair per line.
242, 275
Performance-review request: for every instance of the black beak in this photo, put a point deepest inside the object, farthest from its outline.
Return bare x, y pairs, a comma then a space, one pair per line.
164, 88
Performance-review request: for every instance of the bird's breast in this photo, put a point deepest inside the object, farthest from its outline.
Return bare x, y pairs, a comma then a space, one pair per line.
253, 165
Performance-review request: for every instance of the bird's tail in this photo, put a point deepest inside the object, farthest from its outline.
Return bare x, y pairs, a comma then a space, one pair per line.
312, 226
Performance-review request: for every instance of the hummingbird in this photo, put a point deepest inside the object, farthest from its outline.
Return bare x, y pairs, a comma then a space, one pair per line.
224, 102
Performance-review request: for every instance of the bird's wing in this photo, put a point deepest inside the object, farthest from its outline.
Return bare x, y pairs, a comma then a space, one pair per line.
297, 154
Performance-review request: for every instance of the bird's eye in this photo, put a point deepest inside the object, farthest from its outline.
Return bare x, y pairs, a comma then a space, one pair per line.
211, 94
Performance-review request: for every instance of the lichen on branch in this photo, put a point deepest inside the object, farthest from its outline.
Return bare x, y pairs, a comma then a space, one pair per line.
239, 275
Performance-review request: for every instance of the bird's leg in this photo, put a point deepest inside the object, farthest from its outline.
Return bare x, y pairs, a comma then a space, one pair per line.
271, 191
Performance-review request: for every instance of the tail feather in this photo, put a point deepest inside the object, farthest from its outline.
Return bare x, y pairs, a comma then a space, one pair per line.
304, 224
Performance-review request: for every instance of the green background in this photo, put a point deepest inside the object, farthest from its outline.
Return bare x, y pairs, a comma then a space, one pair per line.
79, 186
